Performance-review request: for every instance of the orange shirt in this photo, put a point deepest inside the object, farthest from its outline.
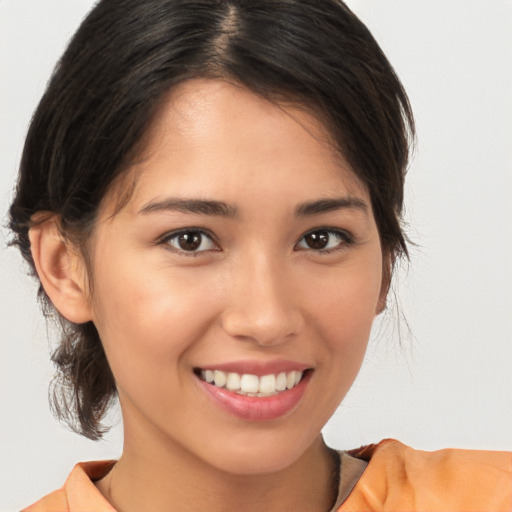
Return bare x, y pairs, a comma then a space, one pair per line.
397, 479
400, 479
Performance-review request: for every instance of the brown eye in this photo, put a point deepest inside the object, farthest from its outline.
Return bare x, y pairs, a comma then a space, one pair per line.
317, 240
191, 241
324, 240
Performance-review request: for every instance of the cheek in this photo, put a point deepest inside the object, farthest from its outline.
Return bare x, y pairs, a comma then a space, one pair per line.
344, 317
346, 304
341, 312
147, 320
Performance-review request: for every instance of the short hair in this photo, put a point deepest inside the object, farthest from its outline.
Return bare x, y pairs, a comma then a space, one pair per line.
110, 83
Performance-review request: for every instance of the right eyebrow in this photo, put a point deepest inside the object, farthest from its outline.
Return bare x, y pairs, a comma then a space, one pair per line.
195, 206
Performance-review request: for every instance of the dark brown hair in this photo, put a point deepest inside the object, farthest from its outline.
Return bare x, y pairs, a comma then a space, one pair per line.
110, 82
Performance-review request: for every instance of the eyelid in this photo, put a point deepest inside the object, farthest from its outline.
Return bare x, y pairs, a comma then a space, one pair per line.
164, 240
346, 236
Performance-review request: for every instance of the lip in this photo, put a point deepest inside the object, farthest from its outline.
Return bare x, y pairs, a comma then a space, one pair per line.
256, 408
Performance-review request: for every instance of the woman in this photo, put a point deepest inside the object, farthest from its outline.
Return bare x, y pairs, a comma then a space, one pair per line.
210, 195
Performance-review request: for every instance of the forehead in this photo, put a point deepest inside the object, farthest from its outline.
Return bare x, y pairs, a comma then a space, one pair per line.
210, 134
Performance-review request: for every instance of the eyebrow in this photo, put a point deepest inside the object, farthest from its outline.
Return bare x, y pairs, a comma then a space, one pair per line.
197, 206
327, 205
222, 209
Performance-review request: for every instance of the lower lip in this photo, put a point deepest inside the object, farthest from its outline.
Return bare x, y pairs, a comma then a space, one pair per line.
257, 409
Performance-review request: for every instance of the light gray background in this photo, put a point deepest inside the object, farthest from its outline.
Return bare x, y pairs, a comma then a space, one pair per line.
450, 383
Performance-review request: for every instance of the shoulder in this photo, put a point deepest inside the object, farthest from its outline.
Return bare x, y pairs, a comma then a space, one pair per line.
400, 478
78, 494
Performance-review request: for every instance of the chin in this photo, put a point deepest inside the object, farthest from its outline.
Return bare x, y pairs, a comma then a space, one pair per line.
261, 454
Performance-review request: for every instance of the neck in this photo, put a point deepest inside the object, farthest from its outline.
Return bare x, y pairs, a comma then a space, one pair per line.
162, 477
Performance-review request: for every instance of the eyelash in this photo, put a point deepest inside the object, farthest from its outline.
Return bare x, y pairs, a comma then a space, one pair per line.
166, 240
345, 238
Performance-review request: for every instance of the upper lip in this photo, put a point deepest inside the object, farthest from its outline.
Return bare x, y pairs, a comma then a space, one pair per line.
258, 368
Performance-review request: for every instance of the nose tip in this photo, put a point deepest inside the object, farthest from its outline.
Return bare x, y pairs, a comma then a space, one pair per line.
265, 331
264, 314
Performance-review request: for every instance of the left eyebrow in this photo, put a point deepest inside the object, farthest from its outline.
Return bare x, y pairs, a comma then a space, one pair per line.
327, 205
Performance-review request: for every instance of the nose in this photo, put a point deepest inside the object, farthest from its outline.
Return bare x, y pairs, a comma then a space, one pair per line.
262, 305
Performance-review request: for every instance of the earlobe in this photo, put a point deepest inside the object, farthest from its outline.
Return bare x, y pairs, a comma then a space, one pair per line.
61, 270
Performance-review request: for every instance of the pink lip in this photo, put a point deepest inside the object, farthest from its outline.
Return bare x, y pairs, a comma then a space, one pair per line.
258, 368
254, 408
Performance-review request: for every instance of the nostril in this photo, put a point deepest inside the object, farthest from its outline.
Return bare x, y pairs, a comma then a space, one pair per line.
266, 328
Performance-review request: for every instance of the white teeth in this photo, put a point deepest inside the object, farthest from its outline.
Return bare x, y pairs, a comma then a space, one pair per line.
281, 382
268, 384
219, 379
249, 383
233, 381
252, 385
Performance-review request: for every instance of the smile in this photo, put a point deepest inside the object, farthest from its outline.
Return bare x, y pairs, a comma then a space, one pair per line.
252, 385
255, 391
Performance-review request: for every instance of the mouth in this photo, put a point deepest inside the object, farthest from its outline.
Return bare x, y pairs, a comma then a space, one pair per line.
251, 385
257, 396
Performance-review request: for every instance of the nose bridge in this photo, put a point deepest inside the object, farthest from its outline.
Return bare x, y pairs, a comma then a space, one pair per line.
261, 303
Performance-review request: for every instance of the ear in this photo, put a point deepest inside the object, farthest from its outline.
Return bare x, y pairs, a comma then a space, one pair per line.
387, 271
61, 269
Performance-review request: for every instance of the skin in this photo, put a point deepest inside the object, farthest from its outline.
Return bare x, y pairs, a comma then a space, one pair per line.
256, 292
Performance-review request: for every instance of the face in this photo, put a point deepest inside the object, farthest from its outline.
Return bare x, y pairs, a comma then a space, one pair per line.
234, 293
